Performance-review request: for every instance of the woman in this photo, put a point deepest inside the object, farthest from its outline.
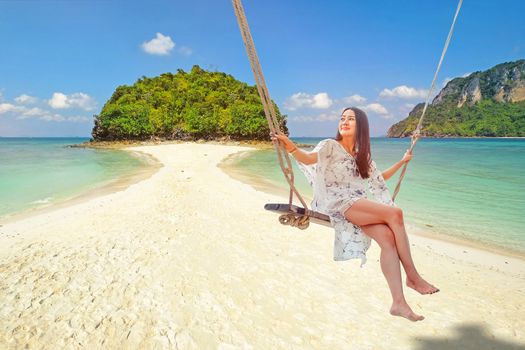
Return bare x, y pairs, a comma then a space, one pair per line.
339, 170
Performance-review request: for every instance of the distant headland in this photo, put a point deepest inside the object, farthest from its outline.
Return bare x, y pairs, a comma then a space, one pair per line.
483, 104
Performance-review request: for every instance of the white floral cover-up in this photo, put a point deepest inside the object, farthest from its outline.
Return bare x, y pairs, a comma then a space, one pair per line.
337, 185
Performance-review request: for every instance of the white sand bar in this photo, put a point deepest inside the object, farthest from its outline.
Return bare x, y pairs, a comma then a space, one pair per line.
188, 259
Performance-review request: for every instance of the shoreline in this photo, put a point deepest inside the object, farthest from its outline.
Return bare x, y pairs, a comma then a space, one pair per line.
117, 184
259, 184
227, 165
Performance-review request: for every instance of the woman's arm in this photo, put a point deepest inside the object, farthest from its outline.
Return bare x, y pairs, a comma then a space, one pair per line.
301, 156
387, 174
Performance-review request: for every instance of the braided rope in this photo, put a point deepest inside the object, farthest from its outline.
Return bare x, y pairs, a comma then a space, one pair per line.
269, 112
417, 131
299, 221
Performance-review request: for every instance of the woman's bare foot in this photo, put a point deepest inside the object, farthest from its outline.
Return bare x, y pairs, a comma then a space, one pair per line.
403, 310
421, 286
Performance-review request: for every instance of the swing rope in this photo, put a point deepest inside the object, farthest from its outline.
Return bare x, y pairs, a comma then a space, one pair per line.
417, 131
301, 221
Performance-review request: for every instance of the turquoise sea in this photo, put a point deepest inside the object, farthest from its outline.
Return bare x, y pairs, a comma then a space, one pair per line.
38, 172
471, 189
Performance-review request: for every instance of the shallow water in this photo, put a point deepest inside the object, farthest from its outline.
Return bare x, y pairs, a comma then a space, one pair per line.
471, 189
38, 172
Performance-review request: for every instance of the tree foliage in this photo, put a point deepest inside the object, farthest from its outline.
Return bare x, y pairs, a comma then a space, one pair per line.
193, 105
485, 118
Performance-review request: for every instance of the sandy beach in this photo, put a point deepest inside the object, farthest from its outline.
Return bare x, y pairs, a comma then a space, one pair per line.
188, 259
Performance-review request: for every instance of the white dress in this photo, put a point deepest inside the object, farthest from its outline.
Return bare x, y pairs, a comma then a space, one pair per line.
337, 185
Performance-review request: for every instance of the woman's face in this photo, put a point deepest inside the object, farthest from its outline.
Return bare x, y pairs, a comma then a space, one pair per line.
347, 125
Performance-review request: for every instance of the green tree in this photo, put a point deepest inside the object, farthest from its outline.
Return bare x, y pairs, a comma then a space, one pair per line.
197, 104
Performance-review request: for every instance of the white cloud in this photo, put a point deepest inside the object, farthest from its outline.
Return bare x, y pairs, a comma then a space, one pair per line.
60, 118
186, 51
48, 116
19, 112
303, 119
374, 108
446, 81
377, 108
354, 99
405, 92
78, 119
78, 100
322, 100
82, 100
328, 116
26, 99
304, 100
160, 45
8, 107
323, 117
52, 118
23, 112
58, 101
34, 112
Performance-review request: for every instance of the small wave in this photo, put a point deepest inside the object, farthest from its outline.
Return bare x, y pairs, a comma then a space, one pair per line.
42, 201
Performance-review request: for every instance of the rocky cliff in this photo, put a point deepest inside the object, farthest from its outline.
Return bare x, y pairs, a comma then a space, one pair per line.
488, 103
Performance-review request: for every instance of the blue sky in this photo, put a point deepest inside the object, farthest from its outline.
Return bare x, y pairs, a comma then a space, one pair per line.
61, 60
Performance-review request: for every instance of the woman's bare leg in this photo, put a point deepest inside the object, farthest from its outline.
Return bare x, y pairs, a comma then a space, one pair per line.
365, 212
389, 260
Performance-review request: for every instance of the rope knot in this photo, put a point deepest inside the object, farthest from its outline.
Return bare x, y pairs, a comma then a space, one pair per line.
300, 221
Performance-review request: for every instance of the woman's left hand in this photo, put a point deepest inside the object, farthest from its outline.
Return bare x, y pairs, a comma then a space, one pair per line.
407, 157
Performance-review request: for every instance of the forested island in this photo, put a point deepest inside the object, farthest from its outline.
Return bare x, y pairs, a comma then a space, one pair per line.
200, 104
185, 106
484, 104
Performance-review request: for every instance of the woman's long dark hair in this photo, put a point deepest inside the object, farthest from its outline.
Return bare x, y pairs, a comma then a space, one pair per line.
362, 141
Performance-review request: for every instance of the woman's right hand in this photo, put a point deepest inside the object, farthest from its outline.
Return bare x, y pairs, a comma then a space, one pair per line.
288, 144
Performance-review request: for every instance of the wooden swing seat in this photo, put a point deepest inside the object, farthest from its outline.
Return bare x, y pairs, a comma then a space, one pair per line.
315, 217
